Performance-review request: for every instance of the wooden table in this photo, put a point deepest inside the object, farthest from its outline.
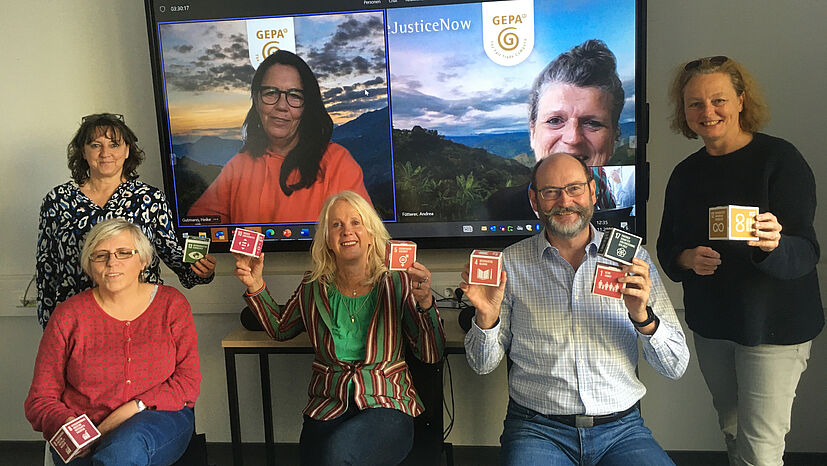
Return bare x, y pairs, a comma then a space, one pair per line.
242, 341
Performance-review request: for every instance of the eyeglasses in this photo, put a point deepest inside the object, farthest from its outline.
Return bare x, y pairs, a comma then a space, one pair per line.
102, 116
553, 193
717, 60
120, 254
272, 95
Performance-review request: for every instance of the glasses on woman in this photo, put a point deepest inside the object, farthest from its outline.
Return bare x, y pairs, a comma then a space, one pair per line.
553, 193
717, 60
120, 254
272, 95
102, 116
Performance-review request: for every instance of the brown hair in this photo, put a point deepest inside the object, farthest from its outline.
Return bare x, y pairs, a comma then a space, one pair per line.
111, 126
755, 113
590, 64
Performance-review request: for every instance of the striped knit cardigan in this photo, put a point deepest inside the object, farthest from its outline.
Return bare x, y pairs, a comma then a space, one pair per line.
382, 379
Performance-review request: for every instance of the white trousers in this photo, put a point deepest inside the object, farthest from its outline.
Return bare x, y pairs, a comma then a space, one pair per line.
752, 388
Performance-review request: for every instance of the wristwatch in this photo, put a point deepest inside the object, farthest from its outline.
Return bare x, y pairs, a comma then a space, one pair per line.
650, 317
141, 405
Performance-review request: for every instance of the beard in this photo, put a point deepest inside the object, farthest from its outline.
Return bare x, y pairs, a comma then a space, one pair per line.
567, 231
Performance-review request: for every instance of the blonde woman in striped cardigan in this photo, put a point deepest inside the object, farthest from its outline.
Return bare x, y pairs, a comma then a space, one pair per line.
359, 317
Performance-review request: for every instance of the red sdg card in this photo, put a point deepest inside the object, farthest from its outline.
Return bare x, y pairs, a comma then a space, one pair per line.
399, 255
247, 242
605, 281
73, 437
485, 268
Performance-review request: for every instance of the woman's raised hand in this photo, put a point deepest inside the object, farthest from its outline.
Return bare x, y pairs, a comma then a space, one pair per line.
249, 271
205, 266
768, 231
421, 285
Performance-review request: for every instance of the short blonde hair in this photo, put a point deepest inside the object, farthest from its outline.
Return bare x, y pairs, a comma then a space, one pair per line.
109, 229
753, 117
324, 263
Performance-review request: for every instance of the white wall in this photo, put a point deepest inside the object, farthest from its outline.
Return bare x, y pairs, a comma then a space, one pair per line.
62, 60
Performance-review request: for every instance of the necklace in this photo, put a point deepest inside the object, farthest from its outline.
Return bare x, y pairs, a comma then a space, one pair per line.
353, 313
342, 287
353, 305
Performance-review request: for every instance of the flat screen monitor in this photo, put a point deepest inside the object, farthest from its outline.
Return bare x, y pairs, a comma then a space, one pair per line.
429, 102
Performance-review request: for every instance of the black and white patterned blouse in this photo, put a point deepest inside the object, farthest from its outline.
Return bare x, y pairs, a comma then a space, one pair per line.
67, 215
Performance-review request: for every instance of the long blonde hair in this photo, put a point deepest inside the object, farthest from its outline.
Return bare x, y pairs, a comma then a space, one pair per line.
324, 262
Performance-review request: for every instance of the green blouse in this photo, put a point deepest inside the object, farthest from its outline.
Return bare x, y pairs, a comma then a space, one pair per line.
351, 318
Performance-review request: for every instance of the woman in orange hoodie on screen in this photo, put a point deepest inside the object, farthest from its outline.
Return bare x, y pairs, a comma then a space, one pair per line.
287, 166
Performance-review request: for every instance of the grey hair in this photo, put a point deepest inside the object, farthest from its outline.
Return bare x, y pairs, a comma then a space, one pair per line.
590, 64
108, 229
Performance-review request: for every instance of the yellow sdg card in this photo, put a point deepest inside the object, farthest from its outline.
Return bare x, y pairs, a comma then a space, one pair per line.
195, 249
732, 222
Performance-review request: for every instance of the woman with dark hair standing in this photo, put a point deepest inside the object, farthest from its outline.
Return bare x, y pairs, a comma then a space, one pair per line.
754, 306
103, 158
287, 166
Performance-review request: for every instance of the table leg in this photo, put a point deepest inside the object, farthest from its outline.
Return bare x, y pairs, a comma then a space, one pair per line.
267, 408
232, 399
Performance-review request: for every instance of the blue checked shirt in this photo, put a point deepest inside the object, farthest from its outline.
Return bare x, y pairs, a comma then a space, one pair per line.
573, 352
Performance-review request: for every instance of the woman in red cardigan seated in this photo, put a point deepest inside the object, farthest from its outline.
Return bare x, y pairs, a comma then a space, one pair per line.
359, 316
124, 352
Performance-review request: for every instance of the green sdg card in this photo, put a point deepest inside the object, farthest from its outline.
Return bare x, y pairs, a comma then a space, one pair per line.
619, 246
195, 249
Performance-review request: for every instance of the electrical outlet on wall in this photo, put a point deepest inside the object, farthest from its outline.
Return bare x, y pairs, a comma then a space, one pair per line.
448, 292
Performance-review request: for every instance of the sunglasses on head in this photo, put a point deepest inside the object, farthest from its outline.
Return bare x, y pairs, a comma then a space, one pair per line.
100, 116
717, 60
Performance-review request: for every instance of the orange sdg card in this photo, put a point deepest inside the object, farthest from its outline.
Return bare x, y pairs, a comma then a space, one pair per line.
732, 222
399, 255
485, 268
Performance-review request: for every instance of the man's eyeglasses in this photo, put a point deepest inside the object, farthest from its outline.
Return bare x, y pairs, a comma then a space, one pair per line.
553, 193
102, 116
272, 95
717, 60
120, 254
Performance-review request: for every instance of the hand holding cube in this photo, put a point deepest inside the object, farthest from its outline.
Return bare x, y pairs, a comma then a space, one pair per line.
768, 231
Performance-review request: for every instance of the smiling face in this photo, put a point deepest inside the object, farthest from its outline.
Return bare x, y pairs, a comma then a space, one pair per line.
712, 108
105, 154
280, 121
115, 274
575, 120
347, 236
567, 216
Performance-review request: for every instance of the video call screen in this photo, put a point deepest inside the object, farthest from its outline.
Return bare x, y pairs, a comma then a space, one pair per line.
429, 98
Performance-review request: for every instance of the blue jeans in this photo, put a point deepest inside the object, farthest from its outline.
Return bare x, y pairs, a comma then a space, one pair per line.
147, 438
529, 438
374, 436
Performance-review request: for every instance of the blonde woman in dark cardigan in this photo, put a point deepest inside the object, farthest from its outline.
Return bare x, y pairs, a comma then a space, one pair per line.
359, 316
